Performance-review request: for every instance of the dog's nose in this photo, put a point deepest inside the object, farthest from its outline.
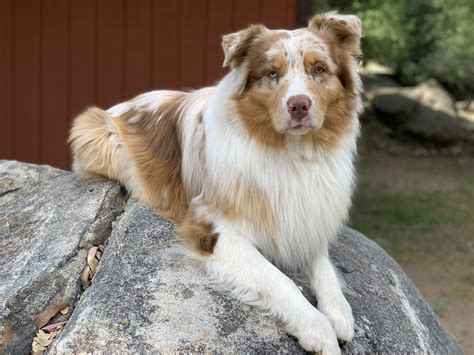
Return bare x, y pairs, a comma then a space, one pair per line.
298, 106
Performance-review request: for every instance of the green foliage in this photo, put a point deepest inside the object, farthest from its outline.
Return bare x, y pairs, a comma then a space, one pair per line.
417, 38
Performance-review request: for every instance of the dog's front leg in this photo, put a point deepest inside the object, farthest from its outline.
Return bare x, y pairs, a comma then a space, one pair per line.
240, 268
331, 301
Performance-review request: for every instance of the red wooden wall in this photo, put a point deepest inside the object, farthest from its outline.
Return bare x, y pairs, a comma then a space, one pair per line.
58, 57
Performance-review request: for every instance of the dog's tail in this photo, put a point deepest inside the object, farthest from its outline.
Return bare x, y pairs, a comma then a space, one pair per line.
96, 145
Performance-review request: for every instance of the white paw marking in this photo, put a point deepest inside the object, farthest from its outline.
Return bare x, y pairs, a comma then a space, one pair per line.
317, 335
339, 313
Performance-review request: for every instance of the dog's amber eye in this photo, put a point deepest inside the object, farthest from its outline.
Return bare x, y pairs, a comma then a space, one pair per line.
272, 74
319, 69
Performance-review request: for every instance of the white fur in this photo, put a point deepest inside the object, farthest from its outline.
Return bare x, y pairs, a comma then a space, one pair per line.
297, 87
309, 193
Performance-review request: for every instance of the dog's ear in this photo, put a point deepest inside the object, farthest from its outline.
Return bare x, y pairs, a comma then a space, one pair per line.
345, 29
236, 44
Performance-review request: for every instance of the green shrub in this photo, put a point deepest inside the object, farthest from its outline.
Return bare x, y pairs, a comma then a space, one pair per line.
417, 38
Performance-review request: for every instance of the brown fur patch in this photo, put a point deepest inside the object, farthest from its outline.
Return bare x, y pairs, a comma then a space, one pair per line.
261, 95
254, 110
337, 119
257, 60
342, 32
338, 114
152, 140
344, 47
241, 199
236, 45
93, 145
311, 59
199, 234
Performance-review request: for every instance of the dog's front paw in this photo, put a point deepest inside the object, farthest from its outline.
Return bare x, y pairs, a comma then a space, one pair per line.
339, 313
317, 335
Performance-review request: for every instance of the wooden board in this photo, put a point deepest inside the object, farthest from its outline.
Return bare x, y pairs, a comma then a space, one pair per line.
58, 57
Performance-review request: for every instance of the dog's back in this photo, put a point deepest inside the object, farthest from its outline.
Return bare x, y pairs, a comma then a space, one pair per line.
140, 143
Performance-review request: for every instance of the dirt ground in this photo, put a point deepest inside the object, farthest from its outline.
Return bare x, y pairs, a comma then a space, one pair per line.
420, 209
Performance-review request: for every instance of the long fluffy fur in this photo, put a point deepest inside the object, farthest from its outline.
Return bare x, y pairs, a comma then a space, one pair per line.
244, 189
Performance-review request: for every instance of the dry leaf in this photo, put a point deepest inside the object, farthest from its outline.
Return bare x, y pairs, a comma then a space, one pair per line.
91, 254
65, 310
93, 265
50, 311
43, 339
54, 327
98, 255
85, 277
91, 259
37, 347
43, 334
102, 248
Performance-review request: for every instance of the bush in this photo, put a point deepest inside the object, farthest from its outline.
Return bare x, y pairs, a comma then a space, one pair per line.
418, 38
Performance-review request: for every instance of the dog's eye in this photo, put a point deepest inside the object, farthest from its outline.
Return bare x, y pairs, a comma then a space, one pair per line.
319, 69
272, 74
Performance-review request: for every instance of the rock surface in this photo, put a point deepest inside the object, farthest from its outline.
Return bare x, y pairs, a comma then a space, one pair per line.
48, 217
425, 111
372, 82
146, 297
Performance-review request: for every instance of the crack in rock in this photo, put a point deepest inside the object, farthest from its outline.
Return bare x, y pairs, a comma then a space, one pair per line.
48, 218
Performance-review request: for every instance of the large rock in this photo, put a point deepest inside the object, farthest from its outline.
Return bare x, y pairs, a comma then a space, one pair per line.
147, 297
48, 217
372, 82
425, 112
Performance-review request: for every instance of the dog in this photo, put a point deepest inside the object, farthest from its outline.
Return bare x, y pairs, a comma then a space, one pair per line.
257, 172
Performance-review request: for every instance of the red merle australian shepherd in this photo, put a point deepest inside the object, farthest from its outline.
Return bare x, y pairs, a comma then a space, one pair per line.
257, 171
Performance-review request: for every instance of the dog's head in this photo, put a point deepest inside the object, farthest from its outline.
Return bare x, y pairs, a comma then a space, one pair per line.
300, 82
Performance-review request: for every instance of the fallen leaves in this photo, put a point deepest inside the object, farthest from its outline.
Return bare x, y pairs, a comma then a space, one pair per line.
45, 336
43, 318
42, 340
47, 332
93, 257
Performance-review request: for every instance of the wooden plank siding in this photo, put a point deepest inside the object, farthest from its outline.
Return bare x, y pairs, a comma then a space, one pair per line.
58, 57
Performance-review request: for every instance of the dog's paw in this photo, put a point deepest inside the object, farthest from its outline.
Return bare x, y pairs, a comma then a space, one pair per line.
317, 335
339, 313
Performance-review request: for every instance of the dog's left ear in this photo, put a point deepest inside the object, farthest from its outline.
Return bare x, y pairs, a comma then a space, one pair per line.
236, 45
345, 29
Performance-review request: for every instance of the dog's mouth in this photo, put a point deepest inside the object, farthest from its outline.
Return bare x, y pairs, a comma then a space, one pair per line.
300, 127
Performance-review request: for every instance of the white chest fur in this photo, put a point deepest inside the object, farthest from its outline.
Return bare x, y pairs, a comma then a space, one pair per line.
309, 194
310, 201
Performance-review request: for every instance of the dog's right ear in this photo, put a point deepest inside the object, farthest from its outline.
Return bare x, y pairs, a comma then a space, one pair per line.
236, 44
